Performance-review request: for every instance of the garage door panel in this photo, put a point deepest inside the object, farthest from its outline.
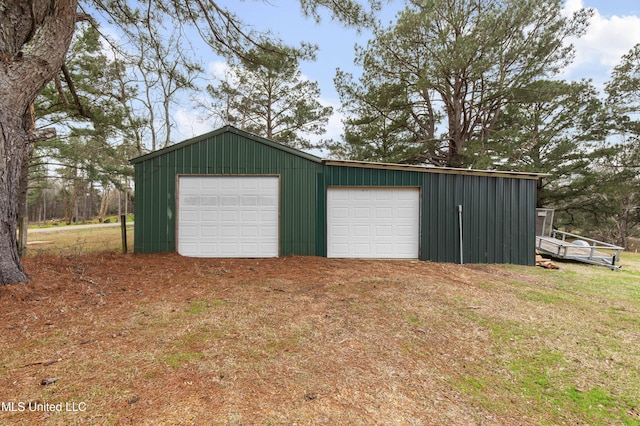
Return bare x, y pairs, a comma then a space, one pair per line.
249, 200
229, 200
209, 231
361, 213
228, 216
405, 213
405, 230
373, 222
383, 195
339, 231
229, 231
270, 232
361, 196
270, 184
340, 195
209, 249
249, 184
405, 248
206, 216
383, 212
229, 247
269, 216
384, 248
405, 195
189, 246
269, 201
228, 183
384, 230
249, 216
190, 184
361, 230
249, 249
188, 201
340, 213
190, 215
250, 231
208, 201
190, 231
362, 249
207, 184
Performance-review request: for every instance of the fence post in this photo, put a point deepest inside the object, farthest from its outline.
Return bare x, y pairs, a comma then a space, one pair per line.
123, 227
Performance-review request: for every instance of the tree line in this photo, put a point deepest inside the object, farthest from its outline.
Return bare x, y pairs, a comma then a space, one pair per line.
464, 83
474, 84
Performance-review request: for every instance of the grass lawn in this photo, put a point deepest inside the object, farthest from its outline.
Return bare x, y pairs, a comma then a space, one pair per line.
163, 339
78, 241
59, 224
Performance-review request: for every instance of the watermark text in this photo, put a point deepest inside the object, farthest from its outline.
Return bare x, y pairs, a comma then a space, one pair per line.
60, 407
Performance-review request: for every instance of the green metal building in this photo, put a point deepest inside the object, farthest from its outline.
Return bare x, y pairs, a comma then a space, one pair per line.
230, 193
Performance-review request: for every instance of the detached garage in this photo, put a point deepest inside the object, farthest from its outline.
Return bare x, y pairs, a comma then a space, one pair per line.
233, 194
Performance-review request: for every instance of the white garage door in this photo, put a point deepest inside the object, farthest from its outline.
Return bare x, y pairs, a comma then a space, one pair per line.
379, 223
228, 216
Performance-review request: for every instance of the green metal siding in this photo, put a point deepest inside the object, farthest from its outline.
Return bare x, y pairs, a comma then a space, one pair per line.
225, 153
498, 211
498, 219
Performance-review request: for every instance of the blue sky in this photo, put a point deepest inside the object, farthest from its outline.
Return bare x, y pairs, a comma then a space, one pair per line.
613, 31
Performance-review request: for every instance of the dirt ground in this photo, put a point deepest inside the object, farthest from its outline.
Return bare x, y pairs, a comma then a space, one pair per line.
164, 339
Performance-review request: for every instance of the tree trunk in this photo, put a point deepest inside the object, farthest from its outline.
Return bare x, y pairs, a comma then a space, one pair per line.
126, 196
14, 149
23, 189
23, 226
35, 38
119, 203
104, 204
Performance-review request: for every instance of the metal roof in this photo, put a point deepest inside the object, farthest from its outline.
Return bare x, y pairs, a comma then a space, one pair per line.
433, 169
337, 163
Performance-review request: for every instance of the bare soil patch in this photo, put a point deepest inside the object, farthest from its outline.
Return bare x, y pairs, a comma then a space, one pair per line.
164, 339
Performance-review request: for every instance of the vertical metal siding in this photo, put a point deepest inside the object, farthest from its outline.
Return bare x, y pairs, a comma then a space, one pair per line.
500, 246
493, 248
498, 212
226, 153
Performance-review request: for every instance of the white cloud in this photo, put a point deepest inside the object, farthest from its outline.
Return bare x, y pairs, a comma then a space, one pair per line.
572, 6
607, 39
334, 127
218, 69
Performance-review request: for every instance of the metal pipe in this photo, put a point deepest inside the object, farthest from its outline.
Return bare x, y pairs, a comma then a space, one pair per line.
460, 229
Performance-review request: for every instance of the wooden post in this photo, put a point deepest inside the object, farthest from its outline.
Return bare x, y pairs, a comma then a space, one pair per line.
123, 227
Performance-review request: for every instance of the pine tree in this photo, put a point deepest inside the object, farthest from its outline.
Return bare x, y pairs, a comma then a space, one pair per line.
265, 94
452, 66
